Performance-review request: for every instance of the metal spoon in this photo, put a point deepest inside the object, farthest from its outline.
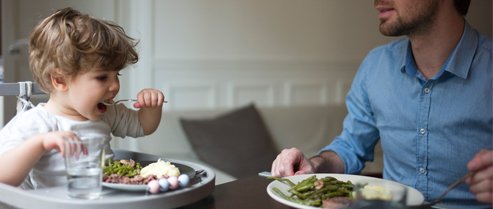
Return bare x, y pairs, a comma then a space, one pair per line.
449, 188
119, 101
123, 100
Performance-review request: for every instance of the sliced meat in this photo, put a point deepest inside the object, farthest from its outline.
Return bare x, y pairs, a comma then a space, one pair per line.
336, 203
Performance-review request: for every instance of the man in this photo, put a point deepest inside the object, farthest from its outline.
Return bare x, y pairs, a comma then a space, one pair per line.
427, 97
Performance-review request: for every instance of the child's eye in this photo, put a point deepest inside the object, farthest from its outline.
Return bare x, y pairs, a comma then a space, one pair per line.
102, 78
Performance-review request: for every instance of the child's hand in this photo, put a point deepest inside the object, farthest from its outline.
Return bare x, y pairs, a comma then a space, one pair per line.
56, 140
149, 98
150, 102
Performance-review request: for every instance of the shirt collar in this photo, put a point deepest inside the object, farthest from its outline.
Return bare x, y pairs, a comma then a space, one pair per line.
408, 65
459, 61
461, 58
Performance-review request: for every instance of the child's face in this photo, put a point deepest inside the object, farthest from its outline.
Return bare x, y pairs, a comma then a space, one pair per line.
87, 91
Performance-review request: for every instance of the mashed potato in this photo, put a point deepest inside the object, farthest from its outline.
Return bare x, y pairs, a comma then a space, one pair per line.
376, 192
159, 169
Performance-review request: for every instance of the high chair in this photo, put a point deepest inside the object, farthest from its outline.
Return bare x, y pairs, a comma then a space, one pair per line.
24, 91
113, 196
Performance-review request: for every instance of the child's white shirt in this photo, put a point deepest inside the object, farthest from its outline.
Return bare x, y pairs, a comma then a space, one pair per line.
49, 171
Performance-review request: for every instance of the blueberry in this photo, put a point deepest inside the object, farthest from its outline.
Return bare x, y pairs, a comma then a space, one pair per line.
184, 180
164, 185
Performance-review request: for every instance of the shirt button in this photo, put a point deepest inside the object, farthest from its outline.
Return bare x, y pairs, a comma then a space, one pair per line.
422, 131
427, 90
422, 170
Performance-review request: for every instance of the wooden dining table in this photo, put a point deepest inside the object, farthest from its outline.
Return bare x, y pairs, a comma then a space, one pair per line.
250, 192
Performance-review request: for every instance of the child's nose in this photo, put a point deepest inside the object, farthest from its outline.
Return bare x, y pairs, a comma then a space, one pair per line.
115, 86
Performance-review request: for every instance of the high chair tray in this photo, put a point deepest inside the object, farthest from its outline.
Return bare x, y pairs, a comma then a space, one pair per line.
56, 197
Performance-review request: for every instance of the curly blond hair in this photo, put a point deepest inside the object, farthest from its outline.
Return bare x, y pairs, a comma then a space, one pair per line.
73, 43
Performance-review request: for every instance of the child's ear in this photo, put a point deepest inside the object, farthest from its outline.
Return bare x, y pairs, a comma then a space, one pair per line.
58, 80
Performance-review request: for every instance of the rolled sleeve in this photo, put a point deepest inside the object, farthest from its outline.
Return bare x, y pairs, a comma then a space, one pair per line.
356, 143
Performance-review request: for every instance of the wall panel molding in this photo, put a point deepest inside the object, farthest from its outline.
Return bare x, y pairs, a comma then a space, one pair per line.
242, 92
188, 94
233, 83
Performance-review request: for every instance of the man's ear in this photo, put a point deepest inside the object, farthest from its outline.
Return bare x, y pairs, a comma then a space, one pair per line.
58, 80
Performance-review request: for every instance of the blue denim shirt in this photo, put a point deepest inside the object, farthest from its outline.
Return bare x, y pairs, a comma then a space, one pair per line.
429, 128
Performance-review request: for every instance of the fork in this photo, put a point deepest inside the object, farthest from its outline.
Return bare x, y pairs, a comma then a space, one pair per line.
123, 100
440, 198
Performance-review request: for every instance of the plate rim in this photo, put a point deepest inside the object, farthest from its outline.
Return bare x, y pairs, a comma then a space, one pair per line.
420, 197
143, 187
126, 187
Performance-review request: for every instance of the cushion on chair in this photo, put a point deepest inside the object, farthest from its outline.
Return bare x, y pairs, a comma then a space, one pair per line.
236, 142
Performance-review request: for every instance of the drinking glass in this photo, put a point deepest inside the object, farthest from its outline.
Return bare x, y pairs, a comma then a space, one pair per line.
83, 161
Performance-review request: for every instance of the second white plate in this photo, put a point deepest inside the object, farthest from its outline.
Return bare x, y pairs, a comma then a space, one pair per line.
414, 197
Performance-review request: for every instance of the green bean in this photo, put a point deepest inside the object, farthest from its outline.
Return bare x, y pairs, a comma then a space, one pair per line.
283, 180
305, 184
305, 187
312, 191
277, 191
310, 202
121, 169
313, 202
303, 195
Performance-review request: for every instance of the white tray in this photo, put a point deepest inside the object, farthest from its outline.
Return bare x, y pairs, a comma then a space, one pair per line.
56, 197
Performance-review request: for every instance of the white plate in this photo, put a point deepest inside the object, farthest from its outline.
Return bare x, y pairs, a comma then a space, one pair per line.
184, 169
126, 187
414, 197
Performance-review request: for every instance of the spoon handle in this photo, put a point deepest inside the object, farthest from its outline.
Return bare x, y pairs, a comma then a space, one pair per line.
453, 185
440, 198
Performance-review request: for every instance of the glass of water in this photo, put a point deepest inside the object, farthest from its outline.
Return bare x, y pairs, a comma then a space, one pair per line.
83, 161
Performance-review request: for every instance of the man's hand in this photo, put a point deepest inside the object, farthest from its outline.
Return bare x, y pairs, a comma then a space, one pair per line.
481, 183
290, 162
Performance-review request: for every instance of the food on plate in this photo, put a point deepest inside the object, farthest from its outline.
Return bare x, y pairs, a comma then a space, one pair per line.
330, 193
336, 203
165, 184
160, 169
183, 180
131, 172
376, 192
128, 168
153, 186
313, 191
124, 172
159, 176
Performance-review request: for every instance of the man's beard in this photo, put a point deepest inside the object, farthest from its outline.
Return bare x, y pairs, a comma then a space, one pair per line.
422, 21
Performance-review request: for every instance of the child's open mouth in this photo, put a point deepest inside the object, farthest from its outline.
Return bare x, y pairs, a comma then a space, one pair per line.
101, 107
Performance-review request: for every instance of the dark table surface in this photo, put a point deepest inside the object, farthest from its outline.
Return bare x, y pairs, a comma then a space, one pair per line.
247, 193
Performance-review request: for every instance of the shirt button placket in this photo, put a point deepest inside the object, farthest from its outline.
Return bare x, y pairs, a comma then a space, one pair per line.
423, 133
427, 90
